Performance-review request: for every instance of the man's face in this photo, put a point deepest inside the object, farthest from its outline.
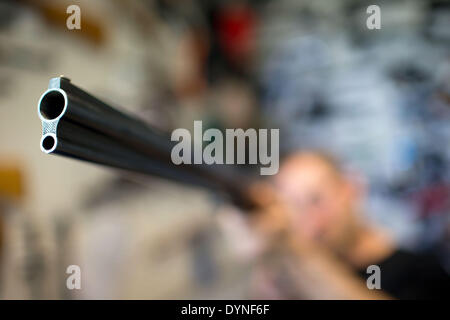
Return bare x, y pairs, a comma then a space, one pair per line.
321, 200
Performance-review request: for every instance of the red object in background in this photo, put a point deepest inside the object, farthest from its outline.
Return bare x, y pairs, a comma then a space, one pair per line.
433, 200
236, 31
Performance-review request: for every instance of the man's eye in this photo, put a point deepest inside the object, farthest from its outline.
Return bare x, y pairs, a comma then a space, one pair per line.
315, 199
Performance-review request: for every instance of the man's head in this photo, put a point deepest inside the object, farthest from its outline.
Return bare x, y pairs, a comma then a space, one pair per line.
322, 199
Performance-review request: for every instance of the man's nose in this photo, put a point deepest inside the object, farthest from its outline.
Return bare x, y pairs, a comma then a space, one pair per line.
318, 222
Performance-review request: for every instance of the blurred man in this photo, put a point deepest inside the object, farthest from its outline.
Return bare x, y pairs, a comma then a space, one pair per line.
319, 207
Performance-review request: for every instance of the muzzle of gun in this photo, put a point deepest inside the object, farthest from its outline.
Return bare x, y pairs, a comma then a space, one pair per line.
76, 124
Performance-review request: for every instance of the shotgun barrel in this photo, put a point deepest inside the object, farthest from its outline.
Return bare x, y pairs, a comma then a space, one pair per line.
78, 125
